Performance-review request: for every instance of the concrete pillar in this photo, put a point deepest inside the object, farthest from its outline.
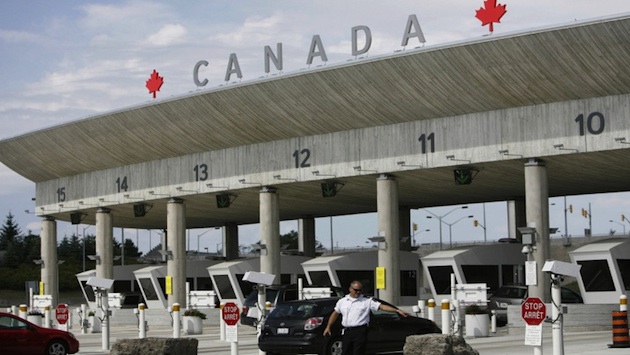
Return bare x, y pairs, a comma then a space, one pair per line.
537, 209
306, 236
230, 241
404, 226
50, 267
176, 246
388, 222
516, 217
270, 232
105, 243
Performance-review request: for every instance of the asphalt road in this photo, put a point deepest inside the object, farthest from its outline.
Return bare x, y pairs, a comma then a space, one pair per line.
500, 343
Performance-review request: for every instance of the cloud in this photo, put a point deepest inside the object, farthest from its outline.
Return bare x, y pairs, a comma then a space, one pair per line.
19, 36
253, 30
168, 35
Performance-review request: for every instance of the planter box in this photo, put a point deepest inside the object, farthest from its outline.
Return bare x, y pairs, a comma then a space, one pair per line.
35, 319
192, 325
477, 325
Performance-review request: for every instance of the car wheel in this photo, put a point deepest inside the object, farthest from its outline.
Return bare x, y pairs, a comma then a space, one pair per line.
56, 348
333, 347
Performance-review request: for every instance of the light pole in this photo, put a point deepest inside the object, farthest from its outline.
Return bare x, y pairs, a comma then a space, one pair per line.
442, 216
199, 235
450, 226
621, 224
83, 237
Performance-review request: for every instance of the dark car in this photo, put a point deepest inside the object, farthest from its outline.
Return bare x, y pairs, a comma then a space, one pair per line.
19, 336
276, 294
514, 295
296, 327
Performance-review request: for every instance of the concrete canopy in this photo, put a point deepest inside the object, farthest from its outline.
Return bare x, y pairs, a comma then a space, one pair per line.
573, 62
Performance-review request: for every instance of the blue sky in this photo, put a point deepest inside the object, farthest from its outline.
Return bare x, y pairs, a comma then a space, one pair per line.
67, 60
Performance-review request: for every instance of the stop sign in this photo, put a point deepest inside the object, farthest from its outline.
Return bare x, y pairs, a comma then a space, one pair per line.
230, 313
61, 313
533, 311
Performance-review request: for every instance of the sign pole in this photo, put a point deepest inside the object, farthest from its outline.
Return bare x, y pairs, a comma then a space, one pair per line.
534, 312
230, 315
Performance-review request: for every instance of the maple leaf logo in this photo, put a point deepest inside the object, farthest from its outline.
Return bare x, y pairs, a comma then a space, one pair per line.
154, 83
490, 13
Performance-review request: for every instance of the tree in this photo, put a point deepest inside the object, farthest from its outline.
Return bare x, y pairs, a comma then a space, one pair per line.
9, 232
12, 241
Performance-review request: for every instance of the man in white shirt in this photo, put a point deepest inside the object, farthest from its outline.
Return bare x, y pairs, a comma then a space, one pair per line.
355, 311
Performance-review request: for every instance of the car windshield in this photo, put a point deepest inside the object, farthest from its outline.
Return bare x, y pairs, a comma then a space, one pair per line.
301, 310
270, 295
510, 292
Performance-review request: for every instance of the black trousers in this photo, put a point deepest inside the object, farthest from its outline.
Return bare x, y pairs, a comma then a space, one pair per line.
354, 341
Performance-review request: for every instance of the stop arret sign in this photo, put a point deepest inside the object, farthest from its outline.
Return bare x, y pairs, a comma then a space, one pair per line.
61, 313
533, 311
230, 313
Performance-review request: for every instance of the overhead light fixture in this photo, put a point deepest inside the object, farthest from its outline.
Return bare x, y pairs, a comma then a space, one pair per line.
96, 258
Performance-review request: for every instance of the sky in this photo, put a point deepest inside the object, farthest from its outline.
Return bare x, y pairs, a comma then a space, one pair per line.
63, 61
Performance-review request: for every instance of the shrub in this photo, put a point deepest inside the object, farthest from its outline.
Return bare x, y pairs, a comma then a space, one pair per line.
194, 313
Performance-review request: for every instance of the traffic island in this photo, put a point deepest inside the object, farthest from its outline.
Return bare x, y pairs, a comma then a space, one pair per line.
437, 344
155, 346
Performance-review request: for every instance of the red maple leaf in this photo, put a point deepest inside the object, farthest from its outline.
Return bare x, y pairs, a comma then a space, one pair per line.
154, 83
490, 13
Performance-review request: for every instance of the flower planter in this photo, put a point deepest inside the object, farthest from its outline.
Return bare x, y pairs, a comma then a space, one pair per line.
477, 325
35, 319
192, 325
95, 324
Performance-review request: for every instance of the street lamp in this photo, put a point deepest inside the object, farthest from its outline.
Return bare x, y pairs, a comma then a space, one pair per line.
199, 235
450, 234
442, 216
621, 224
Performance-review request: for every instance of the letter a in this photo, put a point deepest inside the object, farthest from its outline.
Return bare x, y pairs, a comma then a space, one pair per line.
233, 68
412, 22
316, 42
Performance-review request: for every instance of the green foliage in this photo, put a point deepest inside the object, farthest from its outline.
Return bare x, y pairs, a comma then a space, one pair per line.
194, 313
18, 267
475, 309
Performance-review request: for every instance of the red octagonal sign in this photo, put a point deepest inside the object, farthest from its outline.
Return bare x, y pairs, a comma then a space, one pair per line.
533, 311
61, 313
230, 313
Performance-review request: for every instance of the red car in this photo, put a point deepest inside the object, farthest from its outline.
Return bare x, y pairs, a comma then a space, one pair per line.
19, 336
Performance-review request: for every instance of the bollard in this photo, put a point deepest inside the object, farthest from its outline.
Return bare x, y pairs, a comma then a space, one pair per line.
221, 324
431, 309
620, 330
423, 308
493, 322
47, 322
142, 323
14, 310
457, 323
446, 317
22, 312
176, 321
85, 324
623, 303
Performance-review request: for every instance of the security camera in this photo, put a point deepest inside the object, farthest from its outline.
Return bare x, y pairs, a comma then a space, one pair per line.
561, 268
259, 278
526, 249
100, 283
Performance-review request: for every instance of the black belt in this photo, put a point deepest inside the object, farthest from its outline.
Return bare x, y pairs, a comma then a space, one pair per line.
357, 327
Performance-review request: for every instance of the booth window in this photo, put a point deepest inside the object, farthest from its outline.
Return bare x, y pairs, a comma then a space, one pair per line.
624, 270
408, 283
149, 290
320, 278
224, 287
441, 277
596, 275
204, 283
89, 292
365, 276
246, 286
162, 283
488, 274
